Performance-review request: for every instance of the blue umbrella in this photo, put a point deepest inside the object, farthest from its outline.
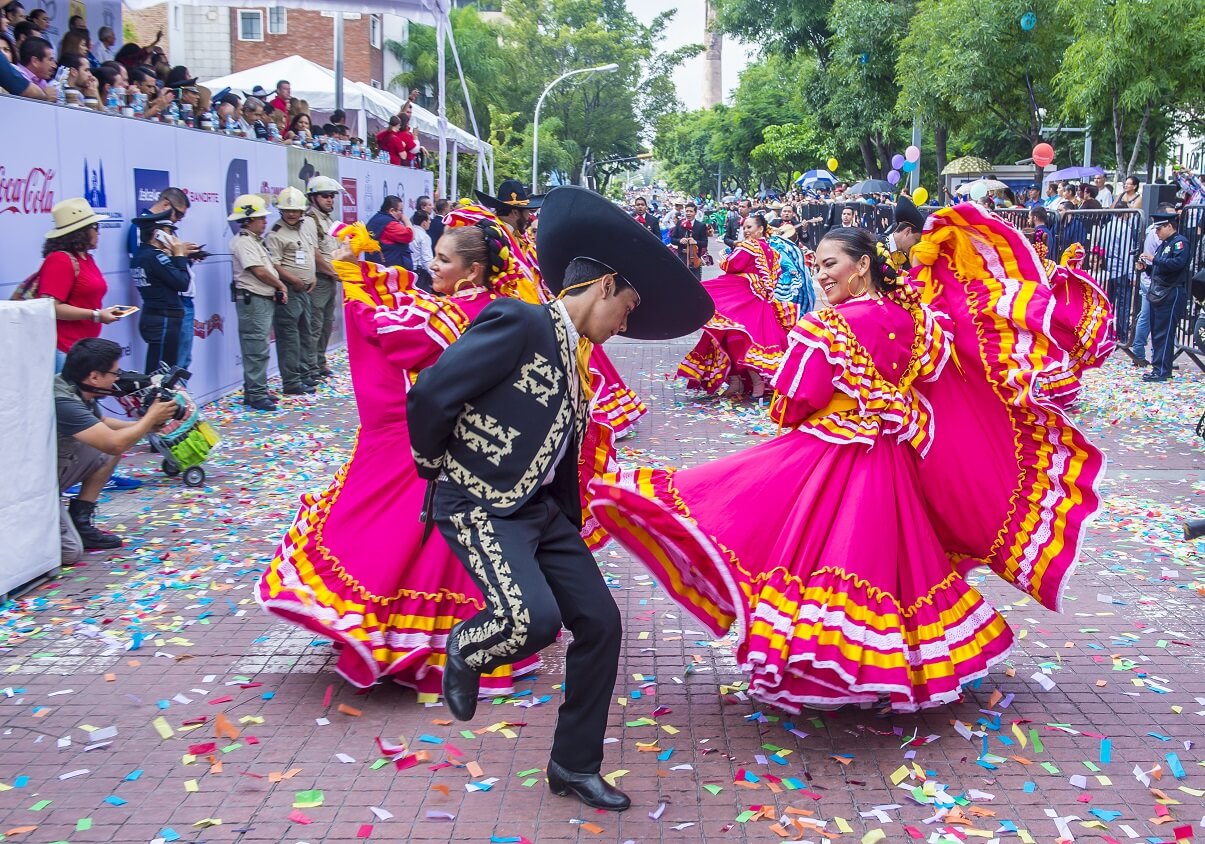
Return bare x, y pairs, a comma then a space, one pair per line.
812, 177
1074, 173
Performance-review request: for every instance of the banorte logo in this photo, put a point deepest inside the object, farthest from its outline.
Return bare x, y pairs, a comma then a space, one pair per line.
28, 193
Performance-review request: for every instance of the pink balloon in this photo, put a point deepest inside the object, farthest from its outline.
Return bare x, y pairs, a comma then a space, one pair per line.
912, 153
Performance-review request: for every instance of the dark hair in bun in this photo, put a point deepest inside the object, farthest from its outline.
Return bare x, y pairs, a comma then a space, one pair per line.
855, 243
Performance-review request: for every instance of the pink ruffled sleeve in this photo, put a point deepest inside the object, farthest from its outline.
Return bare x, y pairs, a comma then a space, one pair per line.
805, 379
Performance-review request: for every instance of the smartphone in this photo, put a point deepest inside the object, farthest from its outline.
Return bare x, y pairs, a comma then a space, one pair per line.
124, 310
162, 237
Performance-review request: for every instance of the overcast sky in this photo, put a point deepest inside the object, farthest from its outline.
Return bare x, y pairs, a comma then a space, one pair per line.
687, 28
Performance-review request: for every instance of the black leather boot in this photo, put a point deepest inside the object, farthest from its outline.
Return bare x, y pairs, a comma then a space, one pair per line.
460, 682
83, 515
591, 789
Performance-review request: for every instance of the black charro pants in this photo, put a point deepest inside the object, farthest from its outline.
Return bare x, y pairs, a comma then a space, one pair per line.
536, 574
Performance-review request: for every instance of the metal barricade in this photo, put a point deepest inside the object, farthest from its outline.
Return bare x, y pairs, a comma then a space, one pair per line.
1192, 226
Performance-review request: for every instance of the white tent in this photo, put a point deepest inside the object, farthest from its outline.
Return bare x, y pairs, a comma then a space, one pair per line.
418, 10
369, 108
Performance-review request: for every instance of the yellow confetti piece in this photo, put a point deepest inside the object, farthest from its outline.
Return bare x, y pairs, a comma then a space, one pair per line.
191, 786
843, 825
426, 698
511, 734
874, 836
163, 728
673, 731
614, 775
644, 634
899, 775
251, 719
623, 701
1020, 736
1026, 838
1103, 780
1195, 792
205, 823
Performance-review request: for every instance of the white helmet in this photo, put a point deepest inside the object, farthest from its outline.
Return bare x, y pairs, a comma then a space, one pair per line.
247, 207
323, 184
290, 199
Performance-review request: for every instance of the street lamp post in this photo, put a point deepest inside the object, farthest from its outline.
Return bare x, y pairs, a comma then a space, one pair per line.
535, 133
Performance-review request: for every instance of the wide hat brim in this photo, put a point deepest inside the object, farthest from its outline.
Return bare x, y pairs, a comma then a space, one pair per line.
75, 225
578, 223
493, 202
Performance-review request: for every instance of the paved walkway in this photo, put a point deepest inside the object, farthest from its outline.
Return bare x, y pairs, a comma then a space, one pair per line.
145, 697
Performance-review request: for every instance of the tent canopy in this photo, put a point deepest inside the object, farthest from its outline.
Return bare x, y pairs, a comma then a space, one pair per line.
316, 85
419, 10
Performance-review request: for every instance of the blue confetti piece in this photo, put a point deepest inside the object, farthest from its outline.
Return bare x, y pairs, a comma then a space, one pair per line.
169, 834
1030, 787
1173, 762
1106, 815
133, 775
114, 800
1106, 751
483, 786
430, 739
635, 695
664, 755
163, 704
21, 781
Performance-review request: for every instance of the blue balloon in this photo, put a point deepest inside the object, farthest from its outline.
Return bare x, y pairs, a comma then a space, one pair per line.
908, 166
863, 58
1028, 21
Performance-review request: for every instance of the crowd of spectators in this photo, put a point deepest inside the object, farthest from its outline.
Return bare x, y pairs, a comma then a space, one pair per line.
139, 81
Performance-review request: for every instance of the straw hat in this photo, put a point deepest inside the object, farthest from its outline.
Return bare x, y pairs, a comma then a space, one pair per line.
71, 215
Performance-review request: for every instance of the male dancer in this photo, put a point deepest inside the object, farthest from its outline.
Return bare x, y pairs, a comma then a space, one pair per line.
503, 413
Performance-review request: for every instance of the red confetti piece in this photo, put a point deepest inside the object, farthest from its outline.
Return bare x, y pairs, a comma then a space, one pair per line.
364, 831
297, 816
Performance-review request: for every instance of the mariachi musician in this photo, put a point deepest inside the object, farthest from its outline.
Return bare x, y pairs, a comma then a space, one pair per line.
690, 239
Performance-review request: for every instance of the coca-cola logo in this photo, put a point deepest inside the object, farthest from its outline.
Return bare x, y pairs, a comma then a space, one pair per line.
32, 193
209, 326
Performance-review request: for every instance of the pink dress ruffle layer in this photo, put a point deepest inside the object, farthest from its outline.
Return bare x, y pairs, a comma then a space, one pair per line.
924, 447
353, 566
748, 334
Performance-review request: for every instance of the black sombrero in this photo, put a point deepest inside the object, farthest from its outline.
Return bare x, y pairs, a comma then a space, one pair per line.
578, 223
511, 194
907, 212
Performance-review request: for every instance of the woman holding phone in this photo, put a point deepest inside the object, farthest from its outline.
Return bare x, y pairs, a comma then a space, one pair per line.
160, 272
70, 276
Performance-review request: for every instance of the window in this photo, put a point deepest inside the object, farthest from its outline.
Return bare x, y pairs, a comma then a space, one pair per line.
376, 83
250, 25
374, 31
278, 20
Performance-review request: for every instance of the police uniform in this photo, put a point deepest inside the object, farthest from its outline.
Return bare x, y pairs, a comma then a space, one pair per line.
293, 248
503, 412
325, 292
255, 305
1168, 295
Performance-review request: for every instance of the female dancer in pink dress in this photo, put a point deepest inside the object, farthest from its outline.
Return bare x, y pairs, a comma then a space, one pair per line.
744, 342
354, 565
839, 549
1081, 323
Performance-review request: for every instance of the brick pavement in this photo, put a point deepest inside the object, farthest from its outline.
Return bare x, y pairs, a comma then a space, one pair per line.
168, 630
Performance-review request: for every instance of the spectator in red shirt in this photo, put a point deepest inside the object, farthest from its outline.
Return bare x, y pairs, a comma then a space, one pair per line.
399, 141
283, 91
71, 277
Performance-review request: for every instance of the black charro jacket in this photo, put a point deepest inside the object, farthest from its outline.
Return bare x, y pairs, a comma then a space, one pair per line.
491, 415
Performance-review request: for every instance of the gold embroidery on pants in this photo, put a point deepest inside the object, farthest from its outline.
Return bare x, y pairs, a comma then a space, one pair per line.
511, 616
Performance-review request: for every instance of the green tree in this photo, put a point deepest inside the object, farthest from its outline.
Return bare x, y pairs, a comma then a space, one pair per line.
1130, 65
487, 65
786, 27
975, 59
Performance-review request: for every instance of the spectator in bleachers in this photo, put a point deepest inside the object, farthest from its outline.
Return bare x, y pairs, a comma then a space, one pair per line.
14, 13
393, 141
275, 115
300, 127
145, 81
38, 64
227, 105
1088, 200
131, 55
11, 78
89, 444
80, 80
106, 78
123, 74
284, 92
1104, 193
336, 127
1130, 196
252, 121
102, 49
76, 41
40, 19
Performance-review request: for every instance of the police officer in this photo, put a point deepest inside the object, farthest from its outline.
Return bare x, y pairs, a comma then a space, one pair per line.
322, 192
292, 243
160, 272
1168, 293
257, 289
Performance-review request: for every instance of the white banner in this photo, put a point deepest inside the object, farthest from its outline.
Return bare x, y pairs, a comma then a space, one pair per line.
119, 166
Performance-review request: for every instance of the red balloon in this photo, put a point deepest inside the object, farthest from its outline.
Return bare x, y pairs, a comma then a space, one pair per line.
1043, 154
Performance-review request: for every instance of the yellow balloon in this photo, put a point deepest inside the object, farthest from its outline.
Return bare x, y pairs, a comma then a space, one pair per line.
832, 164
920, 196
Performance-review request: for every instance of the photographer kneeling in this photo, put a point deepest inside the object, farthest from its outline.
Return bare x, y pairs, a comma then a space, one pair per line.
89, 444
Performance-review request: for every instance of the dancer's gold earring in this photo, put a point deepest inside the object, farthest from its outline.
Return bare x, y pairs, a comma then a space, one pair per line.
865, 287
461, 284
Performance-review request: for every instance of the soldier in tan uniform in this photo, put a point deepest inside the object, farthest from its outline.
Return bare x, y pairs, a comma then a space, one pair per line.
322, 191
293, 243
256, 288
